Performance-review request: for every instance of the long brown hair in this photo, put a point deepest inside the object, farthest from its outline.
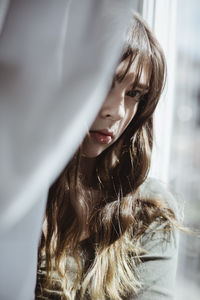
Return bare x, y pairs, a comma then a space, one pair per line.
120, 217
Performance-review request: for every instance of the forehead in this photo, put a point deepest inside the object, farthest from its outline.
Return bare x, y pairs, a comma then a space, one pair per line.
138, 71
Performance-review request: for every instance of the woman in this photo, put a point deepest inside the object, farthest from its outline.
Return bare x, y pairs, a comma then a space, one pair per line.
109, 230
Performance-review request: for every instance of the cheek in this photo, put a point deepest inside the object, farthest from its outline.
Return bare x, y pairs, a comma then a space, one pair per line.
131, 112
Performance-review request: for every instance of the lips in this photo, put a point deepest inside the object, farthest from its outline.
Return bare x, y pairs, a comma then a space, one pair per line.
101, 136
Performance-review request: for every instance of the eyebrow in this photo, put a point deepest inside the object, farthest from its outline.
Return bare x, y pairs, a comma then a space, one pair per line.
140, 86
143, 87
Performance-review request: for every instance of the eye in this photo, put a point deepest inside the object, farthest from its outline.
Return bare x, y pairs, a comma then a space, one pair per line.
133, 94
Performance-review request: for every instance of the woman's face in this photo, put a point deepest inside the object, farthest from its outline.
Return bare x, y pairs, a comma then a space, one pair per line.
116, 113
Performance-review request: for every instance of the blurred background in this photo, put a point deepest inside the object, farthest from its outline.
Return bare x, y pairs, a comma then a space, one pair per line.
176, 156
184, 167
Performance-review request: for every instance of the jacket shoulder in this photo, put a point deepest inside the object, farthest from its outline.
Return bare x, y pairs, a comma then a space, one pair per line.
153, 188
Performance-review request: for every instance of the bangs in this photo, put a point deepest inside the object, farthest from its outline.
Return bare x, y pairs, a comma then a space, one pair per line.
137, 64
137, 55
142, 58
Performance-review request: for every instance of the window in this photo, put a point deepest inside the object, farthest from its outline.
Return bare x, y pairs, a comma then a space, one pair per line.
176, 158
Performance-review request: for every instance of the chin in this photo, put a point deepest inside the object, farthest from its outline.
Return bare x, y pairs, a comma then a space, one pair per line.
92, 153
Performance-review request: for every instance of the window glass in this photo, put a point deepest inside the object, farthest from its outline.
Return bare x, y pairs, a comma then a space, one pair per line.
184, 167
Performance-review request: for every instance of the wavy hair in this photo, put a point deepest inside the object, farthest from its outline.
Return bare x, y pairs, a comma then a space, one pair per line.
120, 217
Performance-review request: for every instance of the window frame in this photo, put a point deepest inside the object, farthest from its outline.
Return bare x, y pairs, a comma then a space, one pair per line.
161, 17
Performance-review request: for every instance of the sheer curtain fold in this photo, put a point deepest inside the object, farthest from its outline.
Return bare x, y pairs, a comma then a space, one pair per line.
56, 64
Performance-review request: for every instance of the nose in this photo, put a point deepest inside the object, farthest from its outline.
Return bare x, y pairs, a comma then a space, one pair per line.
114, 106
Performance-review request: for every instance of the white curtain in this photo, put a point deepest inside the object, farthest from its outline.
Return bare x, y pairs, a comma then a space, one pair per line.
56, 64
